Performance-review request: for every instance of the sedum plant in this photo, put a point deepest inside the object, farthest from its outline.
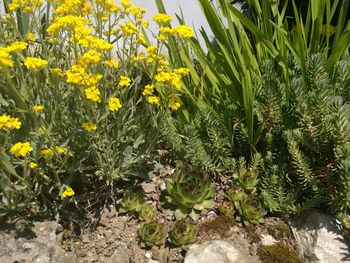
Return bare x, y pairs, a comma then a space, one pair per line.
151, 234
191, 192
183, 233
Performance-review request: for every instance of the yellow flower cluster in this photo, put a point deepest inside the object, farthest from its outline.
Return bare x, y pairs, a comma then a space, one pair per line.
35, 63
79, 76
57, 72
88, 58
31, 37
128, 28
174, 102
153, 100
48, 153
38, 108
61, 150
76, 7
124, 81
33, 165
68, 192
111, 63
162, 18
108, 5
183, 31
7, 122
172, 78
21, 149
93, 94
148, 90
28, 6
6, 59
152, 55
114, 104
89, 126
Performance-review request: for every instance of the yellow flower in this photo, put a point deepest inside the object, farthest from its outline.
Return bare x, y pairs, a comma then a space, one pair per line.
112, 64
68, 192
148, 90
88, 58
114, 104
93, 94
153, 100
16, 46
9, 122
124, 81
126, 3
38, 108
47, 153
128, 28
174, 103
61, 150
182, 71
35, 63
89, 126
31, 37
5, 58
162, 18
33, 165
21, 149
57, 72
184, 31
14, 7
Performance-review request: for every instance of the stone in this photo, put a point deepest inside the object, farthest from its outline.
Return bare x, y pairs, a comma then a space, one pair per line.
149, 187
218, 251
267, 240
32, 242
319, 238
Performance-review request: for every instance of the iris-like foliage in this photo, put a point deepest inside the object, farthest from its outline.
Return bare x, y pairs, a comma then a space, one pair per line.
191, 192
132, 202
151, 234
183, 233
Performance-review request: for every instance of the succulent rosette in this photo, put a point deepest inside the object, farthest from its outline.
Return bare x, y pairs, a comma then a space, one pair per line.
147, 212
251, 211
191, 192
183, 233
152, 234
226, 208
236, 193
132, 201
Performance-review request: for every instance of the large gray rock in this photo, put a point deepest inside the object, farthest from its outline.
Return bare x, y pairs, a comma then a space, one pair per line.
32, 243
218, 251
319, 238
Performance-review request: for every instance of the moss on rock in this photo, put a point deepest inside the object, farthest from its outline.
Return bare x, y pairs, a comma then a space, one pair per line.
278, 253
